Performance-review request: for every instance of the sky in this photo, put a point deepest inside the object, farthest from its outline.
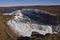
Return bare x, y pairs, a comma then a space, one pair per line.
28, 2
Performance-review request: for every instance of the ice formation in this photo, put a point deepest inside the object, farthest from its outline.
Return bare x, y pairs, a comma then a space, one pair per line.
23, 26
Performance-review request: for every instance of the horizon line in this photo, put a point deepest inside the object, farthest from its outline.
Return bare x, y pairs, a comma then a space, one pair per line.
33, 5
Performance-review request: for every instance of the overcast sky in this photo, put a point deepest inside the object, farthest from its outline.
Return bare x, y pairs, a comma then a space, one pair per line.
28, 2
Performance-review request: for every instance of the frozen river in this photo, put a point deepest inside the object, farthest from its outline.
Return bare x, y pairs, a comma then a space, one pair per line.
25, 22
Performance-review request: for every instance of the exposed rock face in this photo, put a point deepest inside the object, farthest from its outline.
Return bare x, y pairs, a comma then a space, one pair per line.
27, 21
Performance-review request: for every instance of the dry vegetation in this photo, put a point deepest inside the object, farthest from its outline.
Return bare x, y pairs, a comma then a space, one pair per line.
12, 36
4, 29
1, 9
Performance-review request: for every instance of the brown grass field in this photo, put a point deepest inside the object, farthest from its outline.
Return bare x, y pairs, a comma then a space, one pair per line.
7, 34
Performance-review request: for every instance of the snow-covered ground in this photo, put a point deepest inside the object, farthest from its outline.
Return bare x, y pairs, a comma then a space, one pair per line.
22, 26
